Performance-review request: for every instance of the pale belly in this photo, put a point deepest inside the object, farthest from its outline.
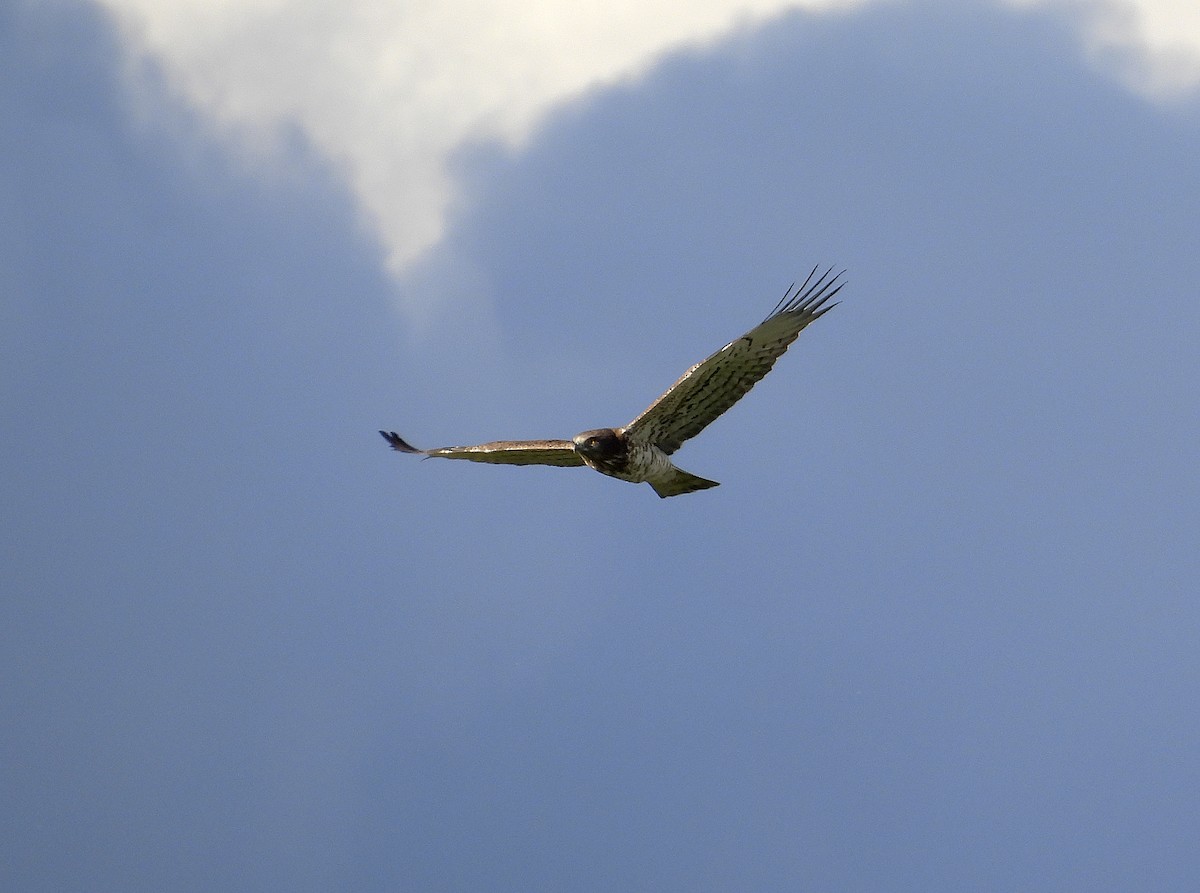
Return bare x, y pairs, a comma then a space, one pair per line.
646, 463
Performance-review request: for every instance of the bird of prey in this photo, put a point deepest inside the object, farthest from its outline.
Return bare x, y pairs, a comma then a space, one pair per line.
641, 451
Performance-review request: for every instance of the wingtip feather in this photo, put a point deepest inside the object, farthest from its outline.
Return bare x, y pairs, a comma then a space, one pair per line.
398, 443
810, 296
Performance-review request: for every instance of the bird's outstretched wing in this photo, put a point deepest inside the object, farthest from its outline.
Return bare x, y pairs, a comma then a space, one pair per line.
709, 388
500, 452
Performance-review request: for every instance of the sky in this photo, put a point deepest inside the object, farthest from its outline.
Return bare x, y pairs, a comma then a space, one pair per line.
388, 92
935, 630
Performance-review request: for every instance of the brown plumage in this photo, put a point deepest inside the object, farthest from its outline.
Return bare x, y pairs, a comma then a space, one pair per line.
640, 451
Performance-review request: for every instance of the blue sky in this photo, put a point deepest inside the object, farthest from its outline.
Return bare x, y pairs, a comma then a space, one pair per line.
936, 630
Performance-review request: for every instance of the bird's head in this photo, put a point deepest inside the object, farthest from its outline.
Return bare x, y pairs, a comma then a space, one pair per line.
601, 444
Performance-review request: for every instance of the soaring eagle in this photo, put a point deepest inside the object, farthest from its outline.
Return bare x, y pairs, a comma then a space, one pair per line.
641, 451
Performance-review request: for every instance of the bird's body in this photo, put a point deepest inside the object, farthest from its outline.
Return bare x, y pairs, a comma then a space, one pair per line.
613, 452
641, 451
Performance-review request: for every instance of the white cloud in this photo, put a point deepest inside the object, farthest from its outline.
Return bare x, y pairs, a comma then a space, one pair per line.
389, 90
1152, 46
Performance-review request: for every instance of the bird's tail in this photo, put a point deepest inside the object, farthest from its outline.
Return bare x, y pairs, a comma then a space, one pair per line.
680, 482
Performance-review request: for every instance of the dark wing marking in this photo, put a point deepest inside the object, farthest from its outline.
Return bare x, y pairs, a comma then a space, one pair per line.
709, 388
500, 452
